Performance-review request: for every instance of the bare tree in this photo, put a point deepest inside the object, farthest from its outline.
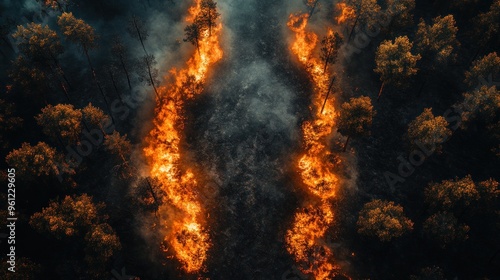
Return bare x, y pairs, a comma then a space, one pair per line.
148, 72
120, 53
138, 31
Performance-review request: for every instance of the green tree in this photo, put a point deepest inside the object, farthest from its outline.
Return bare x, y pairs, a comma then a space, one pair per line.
428, 130
395, 63
71, 217
480, 104
61, 122
35, 161
452, 194
383, 219
444, 228
355, 118
209, 14
439, 40
482, 70
329, 48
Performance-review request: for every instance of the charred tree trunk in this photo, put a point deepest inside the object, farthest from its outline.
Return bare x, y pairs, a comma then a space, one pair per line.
380, 91
346, 142
327, 94
122, 63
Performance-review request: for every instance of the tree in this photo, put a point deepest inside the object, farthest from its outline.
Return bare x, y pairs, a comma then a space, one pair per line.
395, 62
101, 244
311, 6
429, 273
58, 5
41, 46
367, 12
39, 43
489, 25
488, 193
35, 161
120, 53
193, 34
79, 32
94, 116
428, 130
118, 145
137, 30
452, 194
209, 14
25, 270
480, 104
438, 39
71, 217
61, 122
29, 77
383, 219
149, 73
356, 118
483, 69
8, 122
400, 12
329, 48
444, 228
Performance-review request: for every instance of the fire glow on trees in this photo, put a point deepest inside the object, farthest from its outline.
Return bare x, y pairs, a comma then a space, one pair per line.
305, 240
186, 230
346, 13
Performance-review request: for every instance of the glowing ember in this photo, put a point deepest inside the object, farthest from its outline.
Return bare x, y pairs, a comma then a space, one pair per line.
346, 13
187, 234
304, 240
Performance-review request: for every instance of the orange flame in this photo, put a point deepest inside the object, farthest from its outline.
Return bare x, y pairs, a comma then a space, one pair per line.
187, 233
347, 13
304, 238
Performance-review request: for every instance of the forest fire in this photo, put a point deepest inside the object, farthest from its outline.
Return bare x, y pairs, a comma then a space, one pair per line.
304, 239
347, 12
187, 233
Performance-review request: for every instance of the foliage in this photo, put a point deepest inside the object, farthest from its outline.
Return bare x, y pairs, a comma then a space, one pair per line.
482, 104
367, 11
208, 14
383, 219
444, 228
101, 243
488, 23
94, 115
428, 130
77, 31
35, 161
450, 194
395, 62
118, 144
401, 12
61, 120
37, 42
25, 270
483, 70
8, 122
356, 117
68, 218
440, 38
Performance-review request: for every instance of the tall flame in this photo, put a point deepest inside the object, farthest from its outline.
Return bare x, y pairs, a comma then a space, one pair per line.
187, 231
346, 13
305, 239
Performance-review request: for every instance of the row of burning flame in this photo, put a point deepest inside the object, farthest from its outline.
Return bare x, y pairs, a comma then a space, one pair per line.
187, 234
